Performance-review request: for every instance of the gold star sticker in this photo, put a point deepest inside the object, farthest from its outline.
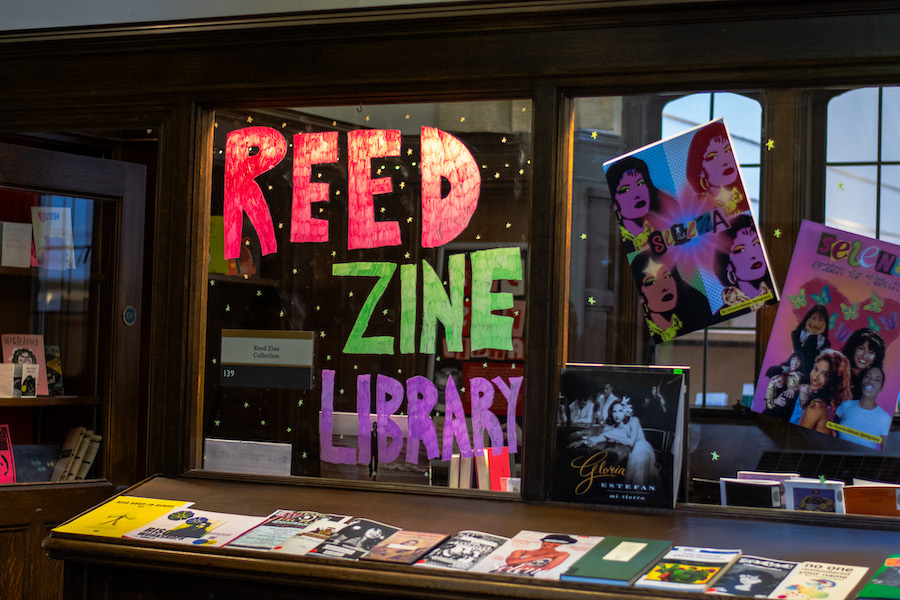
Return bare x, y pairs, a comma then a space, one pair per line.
259, 292
246, 276
304, 455
246, 242
281, 226
216, 125
462, 119
591, 300
406, 255
503, 139
496, 175
217, 422
341, 392
478, 236
584, 236
407, 117
770, 144
337, 192
321, 210
283, 124
270, 187
409, 151
322, 334
333, 253
299, 402
327, 357
318, 175
288, 430
246, 405
402, 185
334, 123
355, 367
249, 119
521, 171
227, 308
281, 314
212, 282
384, 312
295, 270
593, 135
263, 422
381, 210
367, 118
508, 225
378, 172
351, 294
484, 365
524, 109
512, 366
778, 233
516, 313
715, 455
318, 308
214, 361
409, 219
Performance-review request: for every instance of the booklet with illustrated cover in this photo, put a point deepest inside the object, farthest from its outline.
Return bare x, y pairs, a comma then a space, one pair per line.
885, 584
196, 527
815, 495
462, 551
120, 515
354, 539
313, 534
537, 554
753, 577
689, 235
21, 349
7, 459
405, 546
278, 527
620, 435
832, 358
689, 569
822, 581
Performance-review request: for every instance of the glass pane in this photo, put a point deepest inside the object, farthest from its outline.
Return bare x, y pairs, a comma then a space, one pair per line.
853, 127
49, 266
889, 226
850, 201
743, 116
685, 112
366, 288
890, 124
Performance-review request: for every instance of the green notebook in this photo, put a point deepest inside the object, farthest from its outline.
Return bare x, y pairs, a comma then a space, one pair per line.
886, 581
617, 561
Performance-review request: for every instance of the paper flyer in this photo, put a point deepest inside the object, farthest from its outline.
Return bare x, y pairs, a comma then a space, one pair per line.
120, 515
196, 527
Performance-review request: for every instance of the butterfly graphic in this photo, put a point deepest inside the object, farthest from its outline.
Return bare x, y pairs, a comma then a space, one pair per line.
832, 320
873, 325
889, 321
875, 305
823, 298
842, 332
850, 312
799, 301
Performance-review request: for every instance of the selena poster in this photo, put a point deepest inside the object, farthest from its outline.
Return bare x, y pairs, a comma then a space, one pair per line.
620, 435
831, 361
691, 240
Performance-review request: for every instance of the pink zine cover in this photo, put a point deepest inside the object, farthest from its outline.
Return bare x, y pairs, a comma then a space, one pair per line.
7, 462
834, 341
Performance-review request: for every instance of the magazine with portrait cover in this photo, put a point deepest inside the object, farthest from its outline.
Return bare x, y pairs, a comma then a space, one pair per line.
405, 546
20, 349
832, 357
537, 554
753, 577
688, 233
620, 435
354, 539
313, 534
278, 527
462, 551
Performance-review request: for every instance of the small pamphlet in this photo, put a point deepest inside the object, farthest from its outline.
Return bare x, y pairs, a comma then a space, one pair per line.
689, 569
355, 539
822, 581
405, 547
313, 534
120, 515
462, 551
753, 577
278, 527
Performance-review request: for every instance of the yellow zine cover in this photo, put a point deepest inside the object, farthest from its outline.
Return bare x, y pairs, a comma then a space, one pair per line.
120, 515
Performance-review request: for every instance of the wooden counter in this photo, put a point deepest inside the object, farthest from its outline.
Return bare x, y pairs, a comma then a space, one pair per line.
117, 569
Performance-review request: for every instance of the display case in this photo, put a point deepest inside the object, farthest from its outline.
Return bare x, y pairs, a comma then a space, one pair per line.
71, 304
595, 79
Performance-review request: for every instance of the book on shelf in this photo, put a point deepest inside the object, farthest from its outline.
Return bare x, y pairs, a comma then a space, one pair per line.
90, 454
482, 474
753, 577
354, 539
499, 468
19, 349
7, 458
196, 527
73, 439
312, 535
872, 499
617, 561
832, 356
462, 551
687, 568
815, 495
29, 380
688, 233
404, 546
622, 441
8, 381
119, 515
77, 456
53, 357
822, 581
537, 554
275, 530
885, 583
761, 493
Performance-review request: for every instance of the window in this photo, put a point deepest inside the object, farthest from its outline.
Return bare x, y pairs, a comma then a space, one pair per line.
366, 297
